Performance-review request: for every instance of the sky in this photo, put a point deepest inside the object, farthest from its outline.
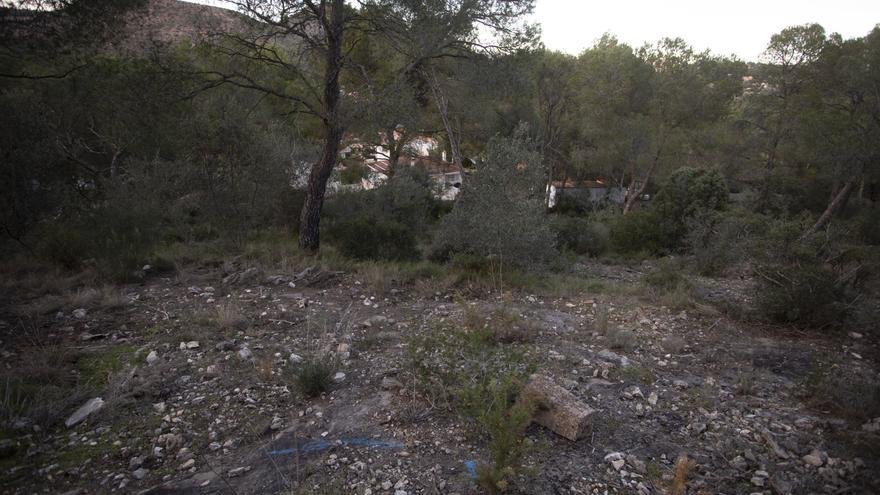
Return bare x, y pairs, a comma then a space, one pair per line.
742, 27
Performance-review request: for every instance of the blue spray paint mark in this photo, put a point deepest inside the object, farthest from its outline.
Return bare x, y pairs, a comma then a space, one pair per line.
471, 468
317, 445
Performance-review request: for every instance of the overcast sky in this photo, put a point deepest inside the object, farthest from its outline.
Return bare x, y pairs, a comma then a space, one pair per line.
738, 27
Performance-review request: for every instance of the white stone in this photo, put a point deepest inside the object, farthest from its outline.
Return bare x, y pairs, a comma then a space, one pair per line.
90, 407
152, 357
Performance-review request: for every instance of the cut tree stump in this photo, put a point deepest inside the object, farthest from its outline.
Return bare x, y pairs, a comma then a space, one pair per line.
556, 408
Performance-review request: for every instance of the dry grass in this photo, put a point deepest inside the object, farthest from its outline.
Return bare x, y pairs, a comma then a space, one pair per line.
680, 476
378, 276
105, 297
229, 316
601, 323
266, 368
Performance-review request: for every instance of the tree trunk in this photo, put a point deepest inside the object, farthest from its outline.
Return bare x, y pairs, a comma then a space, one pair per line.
443, 109
310, 216
393, 156
836, 204
637, 188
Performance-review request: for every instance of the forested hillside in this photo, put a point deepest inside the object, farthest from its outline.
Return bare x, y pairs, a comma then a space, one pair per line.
413, 245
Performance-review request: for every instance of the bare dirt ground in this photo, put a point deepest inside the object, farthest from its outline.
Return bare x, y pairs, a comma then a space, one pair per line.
195, 376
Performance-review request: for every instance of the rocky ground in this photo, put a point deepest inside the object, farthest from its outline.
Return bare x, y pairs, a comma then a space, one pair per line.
191, 391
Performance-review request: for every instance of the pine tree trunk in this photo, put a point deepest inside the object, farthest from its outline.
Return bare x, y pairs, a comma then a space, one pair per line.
393, 157
836, 204
310, 216
637, 188
443, 108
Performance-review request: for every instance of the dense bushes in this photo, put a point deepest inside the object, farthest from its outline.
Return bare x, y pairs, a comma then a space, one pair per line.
383, 223
641, 231
803, 281
366, 238
111, 162
580, 235
661, 226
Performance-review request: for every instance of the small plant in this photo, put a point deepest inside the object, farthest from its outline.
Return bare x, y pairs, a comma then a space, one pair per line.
314, 375
745, 382
495, 405
702, 396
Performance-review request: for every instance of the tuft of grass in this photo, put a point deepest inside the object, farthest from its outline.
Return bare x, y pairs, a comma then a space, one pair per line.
702, 396
314, 375
746, 381
82, 298
673, 344
621, 339
669, 285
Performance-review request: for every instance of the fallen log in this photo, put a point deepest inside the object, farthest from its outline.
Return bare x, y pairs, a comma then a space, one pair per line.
556, 408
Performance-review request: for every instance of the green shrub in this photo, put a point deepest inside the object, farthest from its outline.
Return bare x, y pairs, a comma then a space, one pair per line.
118, 238
500, 211
662, 225
364, 238
808, 282
383, 223
709, 239
580, 235
314, 375
667, 276
639, 231
807, 293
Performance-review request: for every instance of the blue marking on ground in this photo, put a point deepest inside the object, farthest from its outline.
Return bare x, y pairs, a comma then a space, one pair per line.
471, 468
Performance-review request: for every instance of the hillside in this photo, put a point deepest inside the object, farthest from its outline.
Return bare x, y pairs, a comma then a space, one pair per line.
161, 22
